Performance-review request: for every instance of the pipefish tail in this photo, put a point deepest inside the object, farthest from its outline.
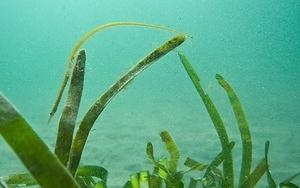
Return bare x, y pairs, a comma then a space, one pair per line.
84, 39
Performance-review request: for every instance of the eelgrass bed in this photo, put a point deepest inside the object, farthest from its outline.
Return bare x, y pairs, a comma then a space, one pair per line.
61, 169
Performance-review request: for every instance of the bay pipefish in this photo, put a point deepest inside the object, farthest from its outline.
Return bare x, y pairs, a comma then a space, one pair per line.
84, 39
96, 109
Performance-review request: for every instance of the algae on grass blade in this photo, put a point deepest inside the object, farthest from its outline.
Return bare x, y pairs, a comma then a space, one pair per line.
247, 179
243, 127
31, 150
217, 121
172, 149
96, 109
84, 39
69, 114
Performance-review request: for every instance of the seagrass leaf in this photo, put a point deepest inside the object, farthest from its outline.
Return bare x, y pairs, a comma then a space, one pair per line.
216, 119
243, 127
271, 181
172, 149
69, 114
31, 150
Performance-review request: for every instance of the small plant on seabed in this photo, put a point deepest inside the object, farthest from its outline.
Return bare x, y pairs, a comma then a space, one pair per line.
61, 169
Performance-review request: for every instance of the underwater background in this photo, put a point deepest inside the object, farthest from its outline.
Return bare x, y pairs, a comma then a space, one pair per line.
254, 44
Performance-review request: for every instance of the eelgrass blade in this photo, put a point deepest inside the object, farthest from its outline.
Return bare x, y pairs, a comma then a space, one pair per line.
84, 39
288, 185
220, 157
209, 176
31, 150
156, 181
243, 127
3, 184
149, 151
256, 175
68, 118
92, 171
24, 179
144, 179
150, 155
271, 181
87, 181
287, 182
216, 119
100, 185
162, 170
134, 179
213, 178
172, 149
127, 185
82, 183
96, 109
194, 165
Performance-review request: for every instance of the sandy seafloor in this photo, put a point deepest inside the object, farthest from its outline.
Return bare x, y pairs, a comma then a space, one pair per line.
254, 45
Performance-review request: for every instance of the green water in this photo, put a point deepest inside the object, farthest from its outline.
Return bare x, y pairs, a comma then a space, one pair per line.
255, 45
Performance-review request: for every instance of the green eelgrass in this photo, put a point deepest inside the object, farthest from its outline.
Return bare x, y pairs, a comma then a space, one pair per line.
217, 121
255, 175
271, 182
172, 149
91, 176
84, 39
24, 179
70, 111
96, 109
243, 127
287, 182
194, 165
31, 150
247, 179
270, 179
